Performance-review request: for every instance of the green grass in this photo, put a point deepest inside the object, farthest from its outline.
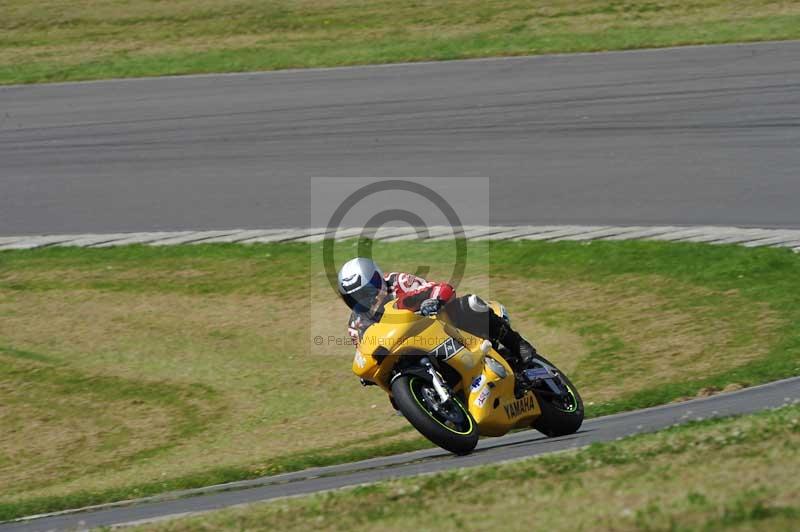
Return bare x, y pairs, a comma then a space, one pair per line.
154, 369
735, 473
57, 40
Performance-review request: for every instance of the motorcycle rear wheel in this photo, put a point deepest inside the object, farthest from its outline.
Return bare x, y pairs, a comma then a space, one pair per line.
450, 426
559, 417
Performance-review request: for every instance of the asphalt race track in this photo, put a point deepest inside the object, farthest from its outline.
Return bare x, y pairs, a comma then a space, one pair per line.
696, 136
517, 445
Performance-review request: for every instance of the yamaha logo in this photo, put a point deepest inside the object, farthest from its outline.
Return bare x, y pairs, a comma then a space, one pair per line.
520, 406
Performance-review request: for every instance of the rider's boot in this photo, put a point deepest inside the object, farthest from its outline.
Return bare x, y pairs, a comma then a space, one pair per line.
500, 331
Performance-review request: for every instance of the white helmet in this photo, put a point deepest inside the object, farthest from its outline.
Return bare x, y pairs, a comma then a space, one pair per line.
361, 285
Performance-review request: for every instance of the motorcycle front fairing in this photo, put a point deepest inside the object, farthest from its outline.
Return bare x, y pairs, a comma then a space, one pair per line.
486, 382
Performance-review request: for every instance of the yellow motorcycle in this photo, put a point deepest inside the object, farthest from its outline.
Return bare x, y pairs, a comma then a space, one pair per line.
453, 386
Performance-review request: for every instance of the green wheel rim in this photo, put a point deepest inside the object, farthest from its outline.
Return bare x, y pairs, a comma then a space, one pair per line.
456, 401
574, 402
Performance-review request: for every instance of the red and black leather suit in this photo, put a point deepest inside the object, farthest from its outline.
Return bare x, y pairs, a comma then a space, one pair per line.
468, 312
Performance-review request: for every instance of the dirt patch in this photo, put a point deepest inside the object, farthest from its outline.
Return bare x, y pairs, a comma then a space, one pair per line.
255, 352
641, 332
58, 423
708, 391
251, 349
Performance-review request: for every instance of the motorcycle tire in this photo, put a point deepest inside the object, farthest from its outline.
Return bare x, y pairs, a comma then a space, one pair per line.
412, 399
556, 419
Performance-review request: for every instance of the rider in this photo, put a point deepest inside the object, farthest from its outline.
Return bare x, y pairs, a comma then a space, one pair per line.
365, 290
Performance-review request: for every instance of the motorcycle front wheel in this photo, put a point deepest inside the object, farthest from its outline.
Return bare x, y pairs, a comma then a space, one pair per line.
449, 425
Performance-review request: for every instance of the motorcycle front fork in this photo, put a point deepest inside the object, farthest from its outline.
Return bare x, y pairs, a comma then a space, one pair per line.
436, 379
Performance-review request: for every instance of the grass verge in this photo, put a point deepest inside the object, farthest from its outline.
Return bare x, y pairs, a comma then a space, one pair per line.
723, 474
153, 369
59, 40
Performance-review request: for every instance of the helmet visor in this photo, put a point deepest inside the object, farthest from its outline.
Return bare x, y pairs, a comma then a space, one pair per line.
365, 298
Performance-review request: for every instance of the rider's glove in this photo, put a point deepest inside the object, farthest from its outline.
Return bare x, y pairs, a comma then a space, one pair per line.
430, 307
